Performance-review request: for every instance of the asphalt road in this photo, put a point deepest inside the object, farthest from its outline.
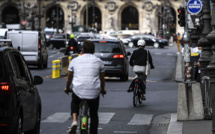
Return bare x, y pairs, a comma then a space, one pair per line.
116, 114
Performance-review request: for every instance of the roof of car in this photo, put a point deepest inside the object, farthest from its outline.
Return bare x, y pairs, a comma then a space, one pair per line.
108, 40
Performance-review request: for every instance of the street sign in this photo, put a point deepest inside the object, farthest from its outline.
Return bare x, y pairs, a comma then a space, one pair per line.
23, 22
194, 6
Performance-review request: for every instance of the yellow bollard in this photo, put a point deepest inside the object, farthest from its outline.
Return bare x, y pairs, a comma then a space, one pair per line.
70, 59
55, 69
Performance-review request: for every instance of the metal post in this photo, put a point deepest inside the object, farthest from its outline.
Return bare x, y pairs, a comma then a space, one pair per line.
39, 1
93, 13
211, 66
204, 42
186, 40
87, 15
160, 30
57, 16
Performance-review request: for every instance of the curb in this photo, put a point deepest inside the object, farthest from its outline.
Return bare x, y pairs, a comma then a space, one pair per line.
174, 126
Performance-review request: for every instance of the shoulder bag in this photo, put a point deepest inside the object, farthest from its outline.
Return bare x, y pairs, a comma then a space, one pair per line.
147, 64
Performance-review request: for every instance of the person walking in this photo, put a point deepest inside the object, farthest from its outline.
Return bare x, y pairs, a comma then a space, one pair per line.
139, 59
72, 45
86, 73
178, 42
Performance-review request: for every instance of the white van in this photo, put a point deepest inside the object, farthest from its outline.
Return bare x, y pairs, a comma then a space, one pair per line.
3, 32
32, 45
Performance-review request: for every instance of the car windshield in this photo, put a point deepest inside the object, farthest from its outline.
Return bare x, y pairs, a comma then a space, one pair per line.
49, 33
58, 36
1, 69
109, 47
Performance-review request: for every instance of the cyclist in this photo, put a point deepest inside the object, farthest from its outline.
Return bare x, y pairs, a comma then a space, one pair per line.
86, 73
139, 59
72, 43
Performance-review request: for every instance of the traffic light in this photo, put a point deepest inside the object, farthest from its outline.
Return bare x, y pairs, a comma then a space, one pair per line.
181, 16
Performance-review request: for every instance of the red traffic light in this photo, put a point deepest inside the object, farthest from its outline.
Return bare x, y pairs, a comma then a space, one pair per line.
179, 10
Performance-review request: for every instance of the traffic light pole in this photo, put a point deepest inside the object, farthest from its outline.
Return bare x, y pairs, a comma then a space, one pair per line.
186, 40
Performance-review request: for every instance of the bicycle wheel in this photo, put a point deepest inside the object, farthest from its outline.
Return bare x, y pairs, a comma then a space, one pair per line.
84, 118
135, 96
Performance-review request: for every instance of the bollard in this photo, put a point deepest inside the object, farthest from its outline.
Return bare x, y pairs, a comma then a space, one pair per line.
55, 69
70, 59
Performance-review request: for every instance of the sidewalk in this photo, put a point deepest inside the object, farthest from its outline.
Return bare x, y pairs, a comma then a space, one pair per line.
187, 127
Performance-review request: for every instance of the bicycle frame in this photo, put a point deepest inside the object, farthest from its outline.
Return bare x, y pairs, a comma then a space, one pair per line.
137, 95
84, 107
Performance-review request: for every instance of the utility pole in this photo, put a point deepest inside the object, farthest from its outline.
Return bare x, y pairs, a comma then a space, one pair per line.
87, 15
57, 16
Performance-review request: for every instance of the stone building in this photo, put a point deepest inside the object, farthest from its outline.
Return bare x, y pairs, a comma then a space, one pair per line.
104, 15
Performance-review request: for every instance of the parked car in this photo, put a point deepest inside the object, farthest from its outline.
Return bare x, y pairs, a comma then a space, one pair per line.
149, 39
20, 103
58, 40
82, 37
115, 58
107, 36
32, 45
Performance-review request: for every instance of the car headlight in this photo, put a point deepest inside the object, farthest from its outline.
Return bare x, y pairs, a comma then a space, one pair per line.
79, 42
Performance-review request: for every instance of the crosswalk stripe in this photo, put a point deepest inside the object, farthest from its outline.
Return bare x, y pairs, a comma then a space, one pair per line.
59, 117
141, 119
104, 118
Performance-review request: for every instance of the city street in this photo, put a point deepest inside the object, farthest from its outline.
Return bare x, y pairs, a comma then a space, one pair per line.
116, 113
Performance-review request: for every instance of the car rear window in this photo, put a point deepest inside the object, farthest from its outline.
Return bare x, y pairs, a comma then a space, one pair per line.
49, 33
2, 75
109, 47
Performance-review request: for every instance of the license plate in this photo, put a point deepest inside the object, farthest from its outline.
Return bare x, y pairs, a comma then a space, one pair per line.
107, 62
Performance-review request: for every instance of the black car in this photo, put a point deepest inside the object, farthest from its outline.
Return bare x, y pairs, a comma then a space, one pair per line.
149, 39
115, 58
20, 103
80, 38
58, 41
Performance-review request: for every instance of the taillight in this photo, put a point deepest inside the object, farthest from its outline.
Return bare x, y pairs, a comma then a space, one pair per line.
118, 56
39, 44
71, 48
50, 36
5, 87
84, 125
3, 125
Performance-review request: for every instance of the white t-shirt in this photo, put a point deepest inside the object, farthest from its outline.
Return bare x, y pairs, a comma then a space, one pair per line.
86, 71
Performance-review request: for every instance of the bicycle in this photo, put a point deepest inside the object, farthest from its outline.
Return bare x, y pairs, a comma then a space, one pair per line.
137, 90
84, 116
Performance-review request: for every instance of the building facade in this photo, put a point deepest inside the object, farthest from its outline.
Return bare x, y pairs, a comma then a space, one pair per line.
103, 15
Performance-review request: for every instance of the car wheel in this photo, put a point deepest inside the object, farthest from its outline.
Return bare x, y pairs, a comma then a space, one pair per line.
161, 46
36, 130
131, 44
19, 125
124, 77
51, 46
156, 45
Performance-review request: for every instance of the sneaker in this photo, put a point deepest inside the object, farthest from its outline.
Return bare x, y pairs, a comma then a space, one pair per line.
143, 97
73, 127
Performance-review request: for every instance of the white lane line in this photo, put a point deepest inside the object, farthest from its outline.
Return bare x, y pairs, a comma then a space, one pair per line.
169, 54
125, 132
141, 119
174, 126
104, 118
59, 117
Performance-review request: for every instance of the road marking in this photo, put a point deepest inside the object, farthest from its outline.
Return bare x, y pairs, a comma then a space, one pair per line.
125, 132
174, 126
104, 118
169, 54
141, 119
59, 117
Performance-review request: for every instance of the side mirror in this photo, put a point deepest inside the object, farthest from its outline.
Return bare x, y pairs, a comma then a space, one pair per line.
38, 80
128, 53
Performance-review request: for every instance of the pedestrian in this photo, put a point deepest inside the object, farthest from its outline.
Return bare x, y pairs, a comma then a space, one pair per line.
86, 73
174, 38
178, 42
72, 45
